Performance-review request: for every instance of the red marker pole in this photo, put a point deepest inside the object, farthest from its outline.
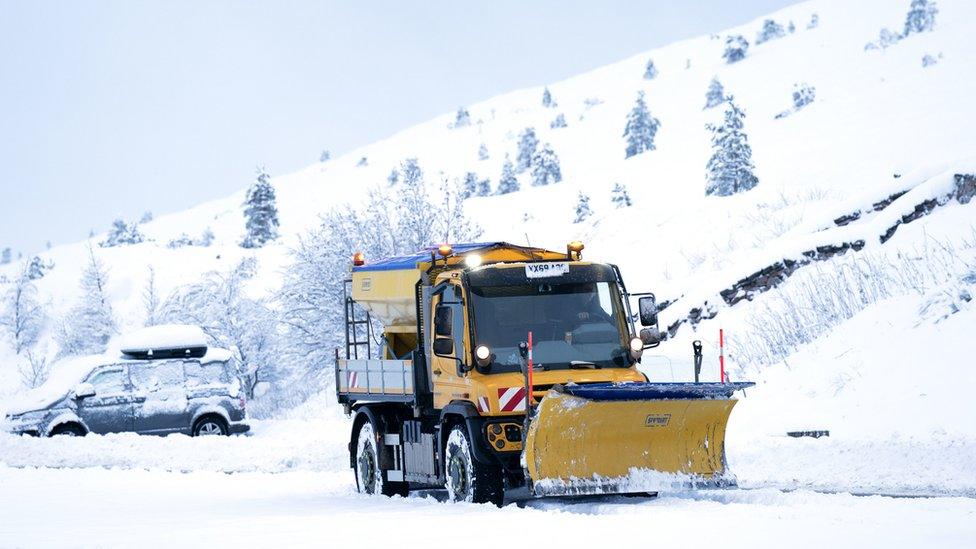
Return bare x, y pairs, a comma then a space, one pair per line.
721, 354
529, 397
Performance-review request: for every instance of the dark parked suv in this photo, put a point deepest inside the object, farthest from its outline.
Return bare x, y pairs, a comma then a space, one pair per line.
199, 394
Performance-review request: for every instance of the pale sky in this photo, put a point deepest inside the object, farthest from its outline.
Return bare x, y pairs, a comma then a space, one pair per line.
112, 108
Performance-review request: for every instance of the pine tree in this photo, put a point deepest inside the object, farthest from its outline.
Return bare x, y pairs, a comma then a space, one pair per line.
507, 183
260, 213
21, 314
469, 187
814, 21
559, 122
122, 234
363, 162
640, 129
545, 167
36, 268
921, 17
150, 299
715, 95
650, 71
547, 100
791, 28
484, 187
526, 149
393, 177
730, 169
462, 118
6, 256
583, 211
147, 216
620, 197
90, 323
735, 49
803, 95
483, 152
771, 30
325, 156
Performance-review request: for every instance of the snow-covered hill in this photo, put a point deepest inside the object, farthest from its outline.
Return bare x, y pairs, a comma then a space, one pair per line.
881, 124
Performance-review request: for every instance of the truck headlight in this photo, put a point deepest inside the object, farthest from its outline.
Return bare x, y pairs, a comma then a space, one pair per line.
483, 355
636, 348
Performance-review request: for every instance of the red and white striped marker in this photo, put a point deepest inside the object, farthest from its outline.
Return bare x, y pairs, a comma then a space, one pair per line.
528, 396
511, 399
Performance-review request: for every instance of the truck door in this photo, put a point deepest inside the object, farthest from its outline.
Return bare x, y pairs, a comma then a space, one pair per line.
109, 410
448, 346
160, 397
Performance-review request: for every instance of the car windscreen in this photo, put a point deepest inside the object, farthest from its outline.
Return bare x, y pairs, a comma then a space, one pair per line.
574, 325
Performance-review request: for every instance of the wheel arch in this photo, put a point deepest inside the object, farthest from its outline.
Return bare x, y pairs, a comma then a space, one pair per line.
66, 418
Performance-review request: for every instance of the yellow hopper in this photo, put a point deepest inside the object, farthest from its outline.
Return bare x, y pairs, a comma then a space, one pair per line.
629, 437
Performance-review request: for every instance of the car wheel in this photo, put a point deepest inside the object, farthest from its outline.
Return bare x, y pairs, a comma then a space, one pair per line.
209, 426
466, 479
68, 429
369, 476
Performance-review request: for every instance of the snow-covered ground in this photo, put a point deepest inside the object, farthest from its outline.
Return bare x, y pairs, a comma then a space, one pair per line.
884, 362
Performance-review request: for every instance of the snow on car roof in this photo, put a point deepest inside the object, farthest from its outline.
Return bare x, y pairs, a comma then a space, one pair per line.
163, 336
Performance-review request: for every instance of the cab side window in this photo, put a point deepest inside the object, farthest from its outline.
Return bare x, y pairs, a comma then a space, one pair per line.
108, 381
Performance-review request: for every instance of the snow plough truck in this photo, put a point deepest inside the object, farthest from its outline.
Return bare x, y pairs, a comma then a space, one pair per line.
502, 366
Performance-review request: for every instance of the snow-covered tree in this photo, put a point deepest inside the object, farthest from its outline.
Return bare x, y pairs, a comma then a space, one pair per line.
21, 315
206, 238
37, 268
231, 319
363, 162
462, 118
620, 197
650, 71
484, 187
928, 60
483, 152
791, 28
730, 169
325, 156
88, 326
545, 167
147, 216
735, 48
393, 178
583, 211
260, 212
770, 30
558, 122
715, 95
507, 183
6, 256
814, 21
803, 95
921, 17
469, 186
150, 299
122, 234
527, 145
35, 370
547, 100
640, 129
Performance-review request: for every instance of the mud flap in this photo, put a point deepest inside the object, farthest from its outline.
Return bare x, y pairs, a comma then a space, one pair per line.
633, 437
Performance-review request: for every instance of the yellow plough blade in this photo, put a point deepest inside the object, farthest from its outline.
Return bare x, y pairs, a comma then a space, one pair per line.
626, 440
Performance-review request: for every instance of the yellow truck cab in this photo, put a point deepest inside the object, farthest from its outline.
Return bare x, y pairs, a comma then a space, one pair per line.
500, 366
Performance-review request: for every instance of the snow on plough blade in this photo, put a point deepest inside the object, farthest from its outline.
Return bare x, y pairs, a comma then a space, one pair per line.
631, 437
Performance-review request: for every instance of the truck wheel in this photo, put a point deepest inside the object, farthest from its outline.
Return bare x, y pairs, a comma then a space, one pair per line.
369, 476
466, 479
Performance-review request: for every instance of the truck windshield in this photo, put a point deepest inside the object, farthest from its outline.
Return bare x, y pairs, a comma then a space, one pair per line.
573, 325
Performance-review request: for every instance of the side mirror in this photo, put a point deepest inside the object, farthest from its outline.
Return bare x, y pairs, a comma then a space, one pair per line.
84, 390
647, 306
651, 337
444, 347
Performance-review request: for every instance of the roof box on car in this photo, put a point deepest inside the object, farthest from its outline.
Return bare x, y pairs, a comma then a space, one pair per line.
165, 341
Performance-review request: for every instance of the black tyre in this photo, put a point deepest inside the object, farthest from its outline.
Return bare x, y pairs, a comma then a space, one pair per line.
68, 429
369, 476
210, 426
466, 479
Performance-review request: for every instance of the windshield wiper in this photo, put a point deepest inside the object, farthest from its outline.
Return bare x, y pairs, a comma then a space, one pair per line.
582, 365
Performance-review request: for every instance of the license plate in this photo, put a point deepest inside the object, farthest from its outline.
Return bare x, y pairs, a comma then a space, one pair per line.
545, 270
